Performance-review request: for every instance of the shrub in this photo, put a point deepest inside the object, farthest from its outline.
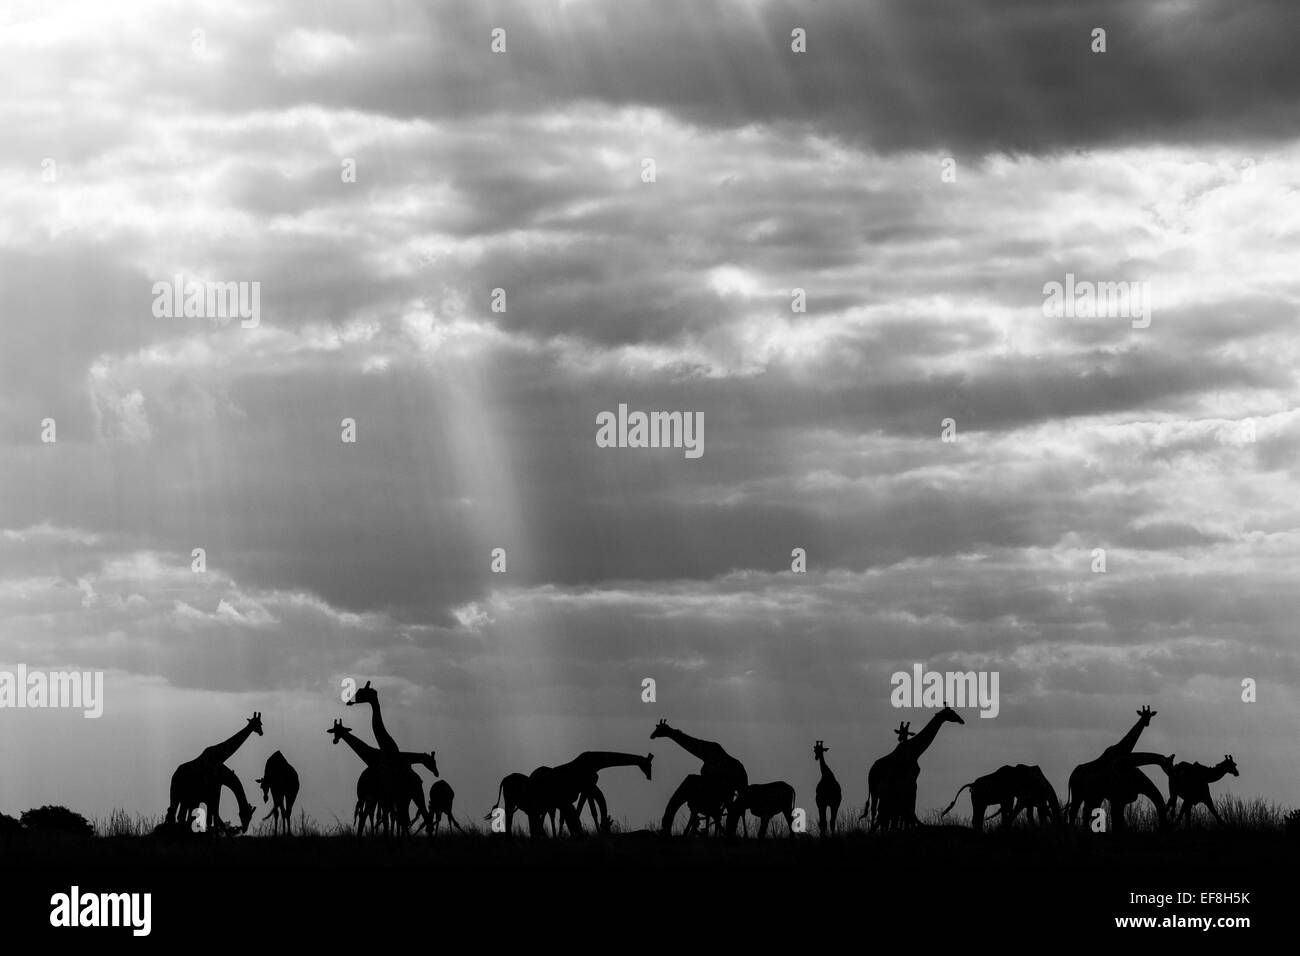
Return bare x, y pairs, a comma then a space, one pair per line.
52, 819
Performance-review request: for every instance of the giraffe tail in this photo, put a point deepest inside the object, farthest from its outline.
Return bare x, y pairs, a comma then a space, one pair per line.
488, 815
954, 800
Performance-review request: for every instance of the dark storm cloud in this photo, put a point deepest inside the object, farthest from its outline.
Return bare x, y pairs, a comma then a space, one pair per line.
968, 77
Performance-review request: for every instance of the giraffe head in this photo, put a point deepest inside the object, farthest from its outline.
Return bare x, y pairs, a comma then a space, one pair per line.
950, 715
245, 816
266, 788
338, 730
255, 723
661, 729
1229, 765
820, 748
365, 695
645, 765
1145, 715
429, 761
904, 731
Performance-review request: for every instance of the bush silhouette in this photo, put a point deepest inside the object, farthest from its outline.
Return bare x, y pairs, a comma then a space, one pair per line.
52, 819
9, 825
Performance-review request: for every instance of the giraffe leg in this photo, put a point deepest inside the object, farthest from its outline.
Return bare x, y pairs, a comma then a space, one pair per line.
835, 812
599, 798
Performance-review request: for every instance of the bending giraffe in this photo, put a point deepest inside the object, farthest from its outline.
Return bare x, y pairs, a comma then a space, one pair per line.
721, 772
891, 781
202, 789
556, 789
192, 782
702, 799
1114, 777
279, 782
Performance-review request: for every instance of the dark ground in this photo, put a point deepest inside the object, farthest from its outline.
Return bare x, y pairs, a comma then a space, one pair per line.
941, 882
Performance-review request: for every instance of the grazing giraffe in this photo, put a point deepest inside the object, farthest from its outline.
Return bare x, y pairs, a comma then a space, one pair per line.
279, 781
440, 797
1190, 782
891, 782
703, 798
192, 782
722, 771
1012, 789
766, 800
393, 783
203, 789
828, 790
1115, 777
556, 788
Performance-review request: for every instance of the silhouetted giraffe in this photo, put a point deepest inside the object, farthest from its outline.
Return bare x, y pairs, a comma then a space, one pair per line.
203, 789
193, 780
891, 782
1115, 777
721, 771
1011, 789
828, 790
440, 797
1190, 782
395, 783
513, 791
279, 781
557, 788
766, 800
701, 798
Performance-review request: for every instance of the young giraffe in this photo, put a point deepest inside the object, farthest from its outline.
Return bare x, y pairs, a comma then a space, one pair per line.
828, 790
279, 781
720, 771
1190, 782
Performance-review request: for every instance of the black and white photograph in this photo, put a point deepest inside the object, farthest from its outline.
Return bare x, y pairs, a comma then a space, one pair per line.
586, 473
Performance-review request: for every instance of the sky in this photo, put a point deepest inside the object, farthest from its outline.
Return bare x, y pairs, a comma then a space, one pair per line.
921, 170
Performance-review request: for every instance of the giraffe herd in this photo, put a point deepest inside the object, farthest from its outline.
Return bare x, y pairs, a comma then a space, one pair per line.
718, 797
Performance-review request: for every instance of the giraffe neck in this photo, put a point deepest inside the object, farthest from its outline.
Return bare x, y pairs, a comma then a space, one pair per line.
597, 760
231, 781
704, 749
1216, 773
382, 736
226, 749
1130, 739
917, 745
826, 771
368, 754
